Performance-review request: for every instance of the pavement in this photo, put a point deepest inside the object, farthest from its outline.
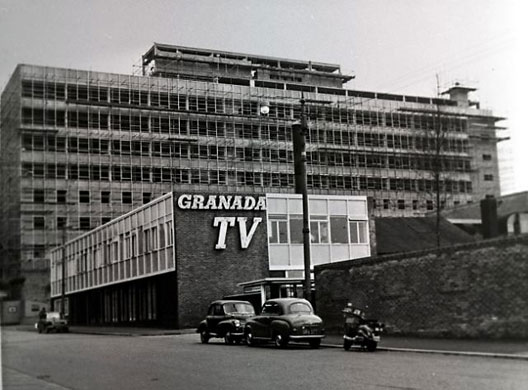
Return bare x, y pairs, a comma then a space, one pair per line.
510, 349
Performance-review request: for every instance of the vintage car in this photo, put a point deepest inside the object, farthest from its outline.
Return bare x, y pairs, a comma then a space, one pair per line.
283, 320
226, 319
53, 322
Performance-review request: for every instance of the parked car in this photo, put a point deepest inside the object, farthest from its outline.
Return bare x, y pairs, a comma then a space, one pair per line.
53, 322
283, 320
226, 319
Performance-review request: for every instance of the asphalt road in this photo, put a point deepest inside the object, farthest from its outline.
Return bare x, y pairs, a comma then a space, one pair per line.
75, 361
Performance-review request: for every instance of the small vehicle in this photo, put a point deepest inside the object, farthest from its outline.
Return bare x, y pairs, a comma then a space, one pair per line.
283, 320
226, 319
360, 331
53, 322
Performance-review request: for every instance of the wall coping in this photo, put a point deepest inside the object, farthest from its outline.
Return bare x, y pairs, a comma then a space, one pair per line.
523, 238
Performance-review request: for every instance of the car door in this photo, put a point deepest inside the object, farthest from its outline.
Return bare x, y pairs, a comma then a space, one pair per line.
214, 316
270, 311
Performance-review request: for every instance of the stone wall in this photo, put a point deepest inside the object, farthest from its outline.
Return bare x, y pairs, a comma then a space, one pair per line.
473, 290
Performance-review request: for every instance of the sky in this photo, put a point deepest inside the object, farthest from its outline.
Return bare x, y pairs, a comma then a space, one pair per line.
415, 47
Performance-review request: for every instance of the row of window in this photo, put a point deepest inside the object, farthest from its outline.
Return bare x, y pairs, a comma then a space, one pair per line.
234, 178
119, 271
40, 142
249, 154
39, 196
284, 229
232, 106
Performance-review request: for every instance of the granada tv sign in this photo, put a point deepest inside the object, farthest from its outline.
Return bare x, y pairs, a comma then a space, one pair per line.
224, 224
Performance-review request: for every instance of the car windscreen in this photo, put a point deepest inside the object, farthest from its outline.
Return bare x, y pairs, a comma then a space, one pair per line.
238, 308
300, 307
53, 316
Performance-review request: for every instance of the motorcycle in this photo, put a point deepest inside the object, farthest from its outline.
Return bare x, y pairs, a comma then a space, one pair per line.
359, 331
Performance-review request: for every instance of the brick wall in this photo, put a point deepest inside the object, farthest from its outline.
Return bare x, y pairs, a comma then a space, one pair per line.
205, 273
472, 290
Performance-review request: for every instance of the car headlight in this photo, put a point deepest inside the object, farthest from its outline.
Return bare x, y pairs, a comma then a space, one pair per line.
236, 323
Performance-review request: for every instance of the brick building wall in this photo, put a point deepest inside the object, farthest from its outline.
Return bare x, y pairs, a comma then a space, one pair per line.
473, 290
205, 273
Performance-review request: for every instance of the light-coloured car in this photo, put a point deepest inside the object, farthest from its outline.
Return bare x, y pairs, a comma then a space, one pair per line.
53, 322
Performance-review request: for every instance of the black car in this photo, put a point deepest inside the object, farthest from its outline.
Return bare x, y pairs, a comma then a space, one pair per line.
283, 320
226, 318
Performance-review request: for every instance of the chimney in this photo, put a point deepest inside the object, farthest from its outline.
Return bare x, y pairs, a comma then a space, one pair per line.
488, 212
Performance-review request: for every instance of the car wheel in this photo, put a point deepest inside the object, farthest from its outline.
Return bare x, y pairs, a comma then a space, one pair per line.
250, 341
315, 343
371, 346
347, 344
48, 330
204, 336
280, 340
228, 339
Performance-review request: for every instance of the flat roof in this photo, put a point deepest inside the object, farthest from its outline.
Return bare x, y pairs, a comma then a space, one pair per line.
297, 64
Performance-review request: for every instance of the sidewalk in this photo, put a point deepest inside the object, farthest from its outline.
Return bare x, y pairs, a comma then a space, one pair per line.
470, 347
487, 348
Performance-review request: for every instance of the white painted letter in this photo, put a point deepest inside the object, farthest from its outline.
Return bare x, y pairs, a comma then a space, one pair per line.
245, 237
249, 203
198, 202
261, 205
184, 201
224, 222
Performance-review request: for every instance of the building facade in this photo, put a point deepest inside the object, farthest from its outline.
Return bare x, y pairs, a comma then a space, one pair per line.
79, 148
163, 263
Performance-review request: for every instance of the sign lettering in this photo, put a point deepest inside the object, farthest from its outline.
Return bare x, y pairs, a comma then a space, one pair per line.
245, 237
221, 202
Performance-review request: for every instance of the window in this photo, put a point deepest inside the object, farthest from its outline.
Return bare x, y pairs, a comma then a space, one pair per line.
296, 229
84, 196
386, 204
84, 223
161, 236
486, 157
61, 196
105, 196
319, 230
278, 229
61, 222
338, 230
38, 223
488, 177
147, 197
401, 204
38, 196
358, 232
126, 197
271, 308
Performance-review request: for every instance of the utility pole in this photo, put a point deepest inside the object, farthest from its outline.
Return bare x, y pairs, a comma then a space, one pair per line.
437, 165
63, 273
300, 129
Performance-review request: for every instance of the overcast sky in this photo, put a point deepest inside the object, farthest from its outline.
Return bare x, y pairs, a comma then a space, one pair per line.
395, 46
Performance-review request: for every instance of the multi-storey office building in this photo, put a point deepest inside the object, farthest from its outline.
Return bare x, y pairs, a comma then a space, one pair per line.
79, 148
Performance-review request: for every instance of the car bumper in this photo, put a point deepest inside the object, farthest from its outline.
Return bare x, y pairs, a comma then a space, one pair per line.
307, 336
